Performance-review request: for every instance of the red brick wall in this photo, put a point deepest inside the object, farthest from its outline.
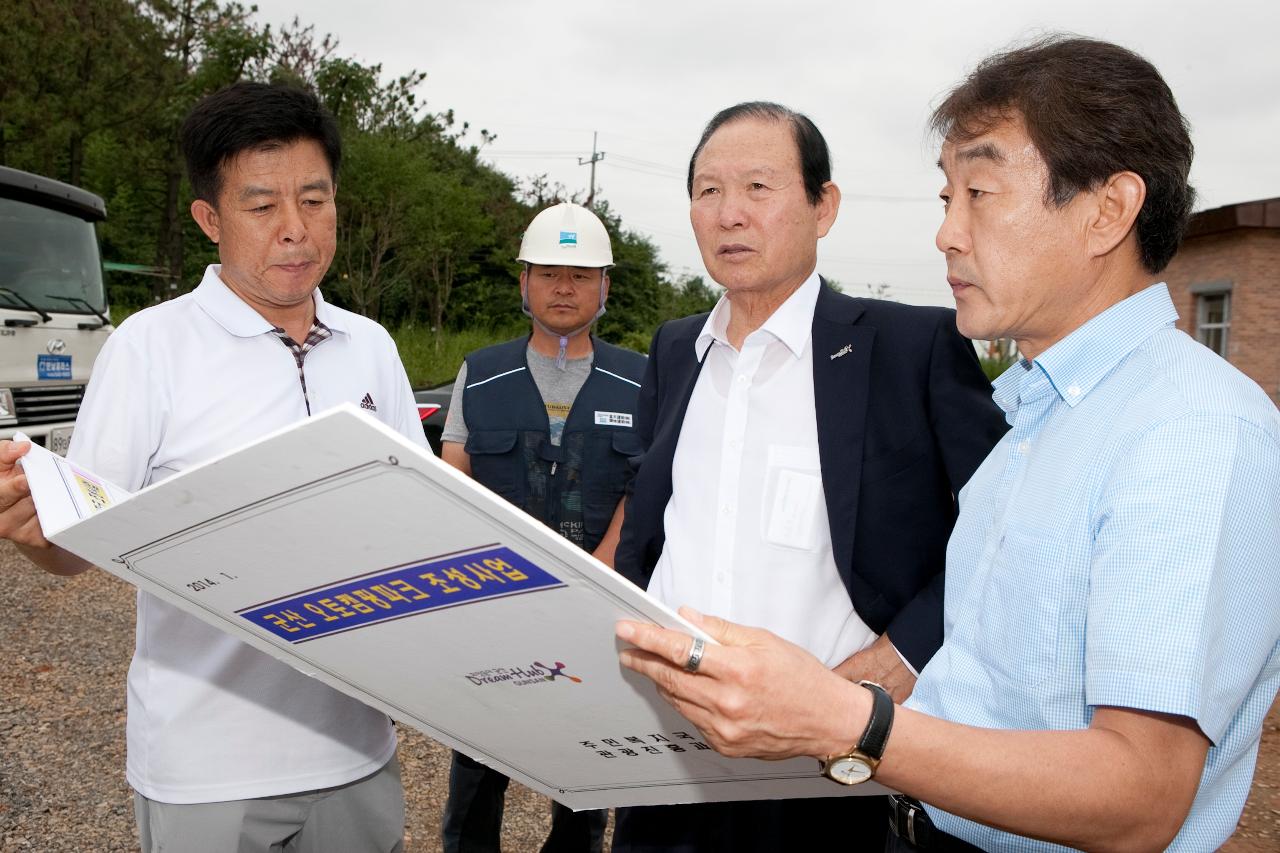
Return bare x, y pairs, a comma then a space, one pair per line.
1250, 258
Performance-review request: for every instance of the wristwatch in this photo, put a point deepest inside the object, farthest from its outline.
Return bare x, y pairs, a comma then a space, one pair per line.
859, 763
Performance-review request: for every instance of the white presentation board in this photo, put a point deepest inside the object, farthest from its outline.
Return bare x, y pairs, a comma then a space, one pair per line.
360, 559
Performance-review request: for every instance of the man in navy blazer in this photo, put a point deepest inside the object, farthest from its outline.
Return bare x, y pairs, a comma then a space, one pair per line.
732, 509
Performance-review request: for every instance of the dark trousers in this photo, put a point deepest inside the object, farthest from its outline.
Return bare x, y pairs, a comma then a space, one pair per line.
844, 824
473, 815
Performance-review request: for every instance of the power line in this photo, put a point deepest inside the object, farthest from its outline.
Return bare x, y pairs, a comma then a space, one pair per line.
569, 155
531, 152
657, 169
652, 168
648, 172
682, 145
650, 164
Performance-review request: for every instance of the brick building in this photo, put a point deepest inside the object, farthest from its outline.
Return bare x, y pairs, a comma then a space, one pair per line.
1225, 282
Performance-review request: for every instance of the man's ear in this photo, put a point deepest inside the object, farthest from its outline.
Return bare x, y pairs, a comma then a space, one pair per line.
1119, 200
604, 289
828, 206
206, 216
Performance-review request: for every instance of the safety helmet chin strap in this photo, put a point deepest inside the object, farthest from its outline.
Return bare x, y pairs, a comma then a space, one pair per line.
562, 358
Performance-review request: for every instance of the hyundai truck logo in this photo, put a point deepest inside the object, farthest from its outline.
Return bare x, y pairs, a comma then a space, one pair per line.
57, 346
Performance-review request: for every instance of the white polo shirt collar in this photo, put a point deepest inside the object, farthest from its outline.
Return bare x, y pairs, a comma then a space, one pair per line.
330, 316
239, 318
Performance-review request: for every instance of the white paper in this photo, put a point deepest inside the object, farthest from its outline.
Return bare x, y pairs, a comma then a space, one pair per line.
348, 552
64, 493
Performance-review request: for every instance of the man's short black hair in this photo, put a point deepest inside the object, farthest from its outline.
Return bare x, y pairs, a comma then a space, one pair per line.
815, 156
252, 117
1092, 109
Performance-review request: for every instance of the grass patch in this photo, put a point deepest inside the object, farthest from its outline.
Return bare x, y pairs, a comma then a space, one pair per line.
433, 358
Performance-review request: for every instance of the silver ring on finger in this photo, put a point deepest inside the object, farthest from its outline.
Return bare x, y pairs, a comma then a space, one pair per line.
695, 655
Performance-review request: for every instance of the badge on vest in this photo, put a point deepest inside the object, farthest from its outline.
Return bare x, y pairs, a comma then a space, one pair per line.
619, 419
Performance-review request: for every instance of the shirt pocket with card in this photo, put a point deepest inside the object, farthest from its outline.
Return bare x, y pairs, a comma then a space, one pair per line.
793, 504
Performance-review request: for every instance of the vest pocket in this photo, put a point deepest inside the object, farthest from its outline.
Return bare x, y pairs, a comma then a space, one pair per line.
493, 462
606, 475
627, 444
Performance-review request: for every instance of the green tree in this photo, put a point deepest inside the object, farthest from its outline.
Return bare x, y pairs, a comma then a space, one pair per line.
690, 295
95, 91
205, 46
450, 231
72, 70
638, 289
380, 178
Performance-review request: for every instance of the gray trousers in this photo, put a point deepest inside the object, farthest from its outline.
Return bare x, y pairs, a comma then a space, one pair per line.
364, 816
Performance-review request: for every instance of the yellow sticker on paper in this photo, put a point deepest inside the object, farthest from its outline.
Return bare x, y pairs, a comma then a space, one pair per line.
93, 492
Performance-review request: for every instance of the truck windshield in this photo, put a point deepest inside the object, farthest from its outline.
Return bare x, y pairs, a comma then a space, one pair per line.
50, 259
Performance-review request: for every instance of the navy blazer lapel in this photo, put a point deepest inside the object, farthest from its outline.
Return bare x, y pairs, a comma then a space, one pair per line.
674, 401
841, 374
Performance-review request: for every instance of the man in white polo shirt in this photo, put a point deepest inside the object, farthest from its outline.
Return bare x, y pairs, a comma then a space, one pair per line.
228, 748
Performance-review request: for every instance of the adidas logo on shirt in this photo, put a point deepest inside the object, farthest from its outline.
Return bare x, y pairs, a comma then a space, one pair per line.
367, 403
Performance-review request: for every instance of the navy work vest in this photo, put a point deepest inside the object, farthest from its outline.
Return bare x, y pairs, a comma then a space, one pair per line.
575, 487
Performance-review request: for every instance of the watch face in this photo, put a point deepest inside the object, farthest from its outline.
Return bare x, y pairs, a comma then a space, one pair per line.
849, 771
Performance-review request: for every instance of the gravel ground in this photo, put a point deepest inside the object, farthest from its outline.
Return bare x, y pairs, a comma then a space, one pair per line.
66, 645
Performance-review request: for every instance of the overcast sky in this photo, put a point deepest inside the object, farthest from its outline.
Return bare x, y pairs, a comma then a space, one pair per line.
647, 75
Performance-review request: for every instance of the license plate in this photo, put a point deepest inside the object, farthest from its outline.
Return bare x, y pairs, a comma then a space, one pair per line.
60, 440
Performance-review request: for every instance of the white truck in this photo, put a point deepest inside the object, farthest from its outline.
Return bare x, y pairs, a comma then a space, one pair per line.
53, 304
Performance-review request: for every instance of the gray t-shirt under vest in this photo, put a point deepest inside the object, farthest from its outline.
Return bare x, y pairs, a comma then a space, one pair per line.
559, 388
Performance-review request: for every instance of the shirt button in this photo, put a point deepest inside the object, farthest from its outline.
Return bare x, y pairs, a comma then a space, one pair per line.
742, 380
734, 443
720, 577
1024, 446
1073, 391
727, 510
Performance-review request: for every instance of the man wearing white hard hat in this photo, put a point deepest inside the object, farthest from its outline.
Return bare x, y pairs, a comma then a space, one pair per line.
547, 422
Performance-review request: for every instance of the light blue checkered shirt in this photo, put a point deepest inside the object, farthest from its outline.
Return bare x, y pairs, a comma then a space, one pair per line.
1120, 546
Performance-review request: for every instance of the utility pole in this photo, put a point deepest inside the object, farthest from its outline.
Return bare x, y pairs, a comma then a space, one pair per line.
596, 157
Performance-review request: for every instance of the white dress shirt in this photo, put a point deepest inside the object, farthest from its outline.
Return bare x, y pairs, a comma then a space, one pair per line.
747, 531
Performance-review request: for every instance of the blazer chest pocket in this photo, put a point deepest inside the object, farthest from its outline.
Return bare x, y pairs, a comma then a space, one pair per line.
893, 462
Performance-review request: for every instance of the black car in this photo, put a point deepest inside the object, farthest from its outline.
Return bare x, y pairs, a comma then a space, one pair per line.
433, 408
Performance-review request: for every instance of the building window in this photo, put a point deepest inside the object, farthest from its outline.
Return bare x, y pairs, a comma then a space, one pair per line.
1213, 320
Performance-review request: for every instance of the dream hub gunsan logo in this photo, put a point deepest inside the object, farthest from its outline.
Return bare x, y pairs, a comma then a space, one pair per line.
522, 676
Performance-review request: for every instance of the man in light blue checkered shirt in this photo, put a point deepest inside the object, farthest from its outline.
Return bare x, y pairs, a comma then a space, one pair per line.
1132, 559
1112, 613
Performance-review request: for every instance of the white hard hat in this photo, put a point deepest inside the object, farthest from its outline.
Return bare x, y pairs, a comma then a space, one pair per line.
566, 235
